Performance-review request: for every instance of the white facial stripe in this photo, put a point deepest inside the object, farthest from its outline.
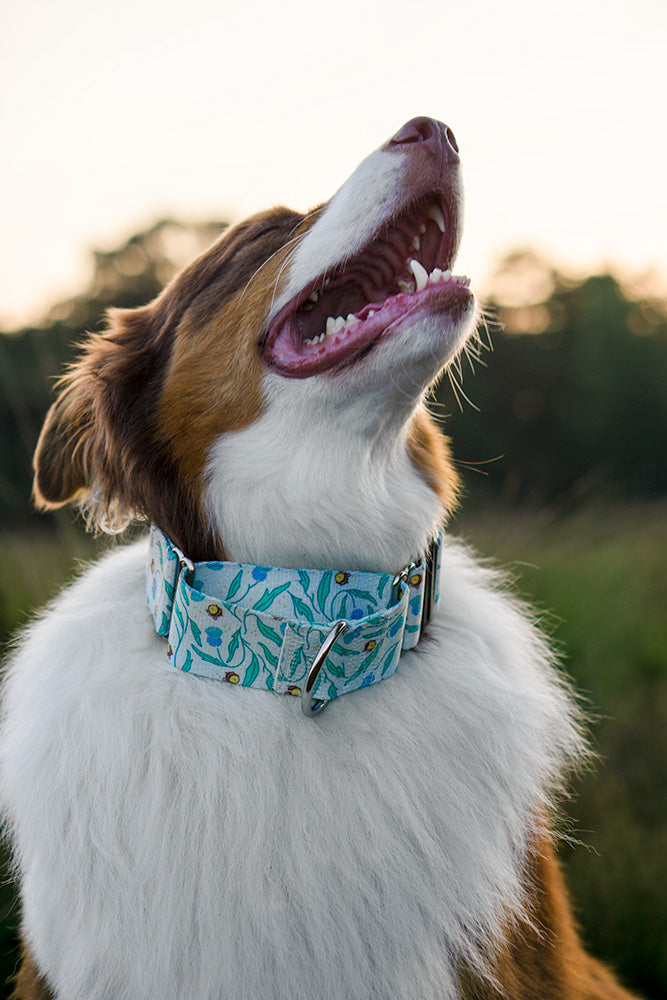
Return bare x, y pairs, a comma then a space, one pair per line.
347, 223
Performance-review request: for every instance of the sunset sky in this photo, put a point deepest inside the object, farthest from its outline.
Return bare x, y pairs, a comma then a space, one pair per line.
115, 115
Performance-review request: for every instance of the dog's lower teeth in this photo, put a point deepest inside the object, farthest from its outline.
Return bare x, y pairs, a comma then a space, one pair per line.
421, 280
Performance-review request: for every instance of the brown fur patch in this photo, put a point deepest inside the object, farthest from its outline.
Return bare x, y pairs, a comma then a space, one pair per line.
29, 984
213, 382
544, 958
430, 452
130, 430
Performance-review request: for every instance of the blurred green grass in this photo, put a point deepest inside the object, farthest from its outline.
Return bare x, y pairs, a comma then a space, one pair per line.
600, 577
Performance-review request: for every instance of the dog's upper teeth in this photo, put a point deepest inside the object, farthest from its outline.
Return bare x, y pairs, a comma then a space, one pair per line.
406, 286
436, 215
420, 273
313, 297
416, 243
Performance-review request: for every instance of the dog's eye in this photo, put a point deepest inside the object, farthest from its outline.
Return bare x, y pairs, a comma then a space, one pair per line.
263, 233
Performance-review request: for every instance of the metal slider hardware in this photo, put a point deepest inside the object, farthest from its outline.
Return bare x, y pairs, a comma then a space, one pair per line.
405, 573
311, 706
184, 562
430, 585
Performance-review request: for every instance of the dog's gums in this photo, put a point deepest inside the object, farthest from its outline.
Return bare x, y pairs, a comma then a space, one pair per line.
404, 268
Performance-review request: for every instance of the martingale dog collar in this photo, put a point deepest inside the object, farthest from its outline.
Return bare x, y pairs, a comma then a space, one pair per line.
313, 633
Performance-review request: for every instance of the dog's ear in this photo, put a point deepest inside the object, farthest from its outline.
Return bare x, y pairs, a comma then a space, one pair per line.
96, 434
62, 461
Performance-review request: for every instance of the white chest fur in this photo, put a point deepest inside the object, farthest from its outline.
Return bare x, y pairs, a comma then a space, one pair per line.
316, 482
182, 838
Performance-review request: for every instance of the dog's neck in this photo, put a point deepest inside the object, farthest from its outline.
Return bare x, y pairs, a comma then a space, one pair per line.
326, 486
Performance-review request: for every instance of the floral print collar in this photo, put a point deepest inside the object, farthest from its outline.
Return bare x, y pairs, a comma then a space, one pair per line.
262, 626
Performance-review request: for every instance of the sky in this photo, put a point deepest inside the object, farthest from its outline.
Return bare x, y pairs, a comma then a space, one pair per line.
114, 115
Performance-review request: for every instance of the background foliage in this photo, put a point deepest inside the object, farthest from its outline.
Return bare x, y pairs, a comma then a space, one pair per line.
562, 448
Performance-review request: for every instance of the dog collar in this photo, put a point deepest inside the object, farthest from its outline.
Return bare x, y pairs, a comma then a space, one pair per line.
312, 633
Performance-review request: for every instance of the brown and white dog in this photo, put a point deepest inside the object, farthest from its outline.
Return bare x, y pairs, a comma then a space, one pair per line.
182, 838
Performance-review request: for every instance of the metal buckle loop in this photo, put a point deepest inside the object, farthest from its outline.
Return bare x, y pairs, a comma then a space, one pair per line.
184, 562
309, 705
405, 573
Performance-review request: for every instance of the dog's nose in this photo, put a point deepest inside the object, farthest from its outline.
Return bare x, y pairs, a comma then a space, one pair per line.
430, 131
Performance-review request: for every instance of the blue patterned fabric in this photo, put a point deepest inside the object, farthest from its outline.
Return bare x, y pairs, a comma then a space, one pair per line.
261, 626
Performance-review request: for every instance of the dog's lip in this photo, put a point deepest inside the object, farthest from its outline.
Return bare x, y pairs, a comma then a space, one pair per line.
404, 265
377, 322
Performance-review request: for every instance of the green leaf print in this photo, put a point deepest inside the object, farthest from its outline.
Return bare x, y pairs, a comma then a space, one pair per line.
301, 608
269, 596
188, 662
233, 645
252, 672
271, 657
388, 659
196, 631
267, 632
323, 591
234, 585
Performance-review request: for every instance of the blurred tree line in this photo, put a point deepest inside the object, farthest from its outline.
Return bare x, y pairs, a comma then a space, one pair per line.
31, 359
573, 403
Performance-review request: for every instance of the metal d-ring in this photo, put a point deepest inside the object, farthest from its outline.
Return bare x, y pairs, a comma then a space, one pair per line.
313, 706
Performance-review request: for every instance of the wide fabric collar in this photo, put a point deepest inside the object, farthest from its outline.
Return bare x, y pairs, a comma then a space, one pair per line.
263, 627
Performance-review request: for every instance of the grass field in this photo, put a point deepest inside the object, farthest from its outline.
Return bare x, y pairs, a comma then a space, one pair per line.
600, 577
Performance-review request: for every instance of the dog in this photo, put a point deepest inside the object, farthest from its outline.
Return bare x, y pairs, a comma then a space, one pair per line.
299, 744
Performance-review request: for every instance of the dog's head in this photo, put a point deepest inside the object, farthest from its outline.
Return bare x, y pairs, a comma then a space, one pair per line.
339, 319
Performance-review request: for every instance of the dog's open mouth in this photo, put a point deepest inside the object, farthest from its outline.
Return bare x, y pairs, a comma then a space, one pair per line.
339, 316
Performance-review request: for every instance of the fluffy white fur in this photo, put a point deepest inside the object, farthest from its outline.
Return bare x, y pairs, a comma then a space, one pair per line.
181, 838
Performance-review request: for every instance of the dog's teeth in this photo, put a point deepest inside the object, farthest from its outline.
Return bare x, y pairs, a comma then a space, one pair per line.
446, 275
416, 243
331, 326
314, 297
406, 286
371, 312
420, 273
352, 319
436, 215
435, 275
